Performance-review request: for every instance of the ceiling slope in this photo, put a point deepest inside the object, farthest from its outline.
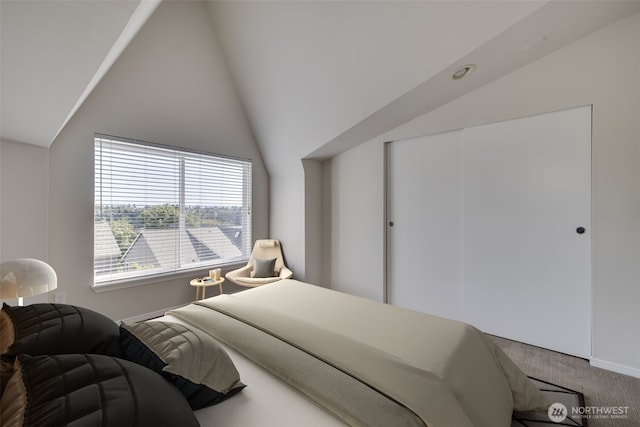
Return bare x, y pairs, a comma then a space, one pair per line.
317, 78
545, 30
308, 71
52, 53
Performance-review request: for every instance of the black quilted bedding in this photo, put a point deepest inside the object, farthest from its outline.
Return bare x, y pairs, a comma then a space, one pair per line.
60, 329
64, 365
97, 390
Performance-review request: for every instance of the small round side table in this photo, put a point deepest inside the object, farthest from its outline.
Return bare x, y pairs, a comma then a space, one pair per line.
201, 285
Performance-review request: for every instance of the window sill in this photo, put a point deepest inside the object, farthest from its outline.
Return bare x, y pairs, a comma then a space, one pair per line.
166, 277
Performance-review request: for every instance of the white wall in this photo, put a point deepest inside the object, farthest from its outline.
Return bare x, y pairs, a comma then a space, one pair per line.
354, 221
170, 86
286, 210
24, 191
600, 69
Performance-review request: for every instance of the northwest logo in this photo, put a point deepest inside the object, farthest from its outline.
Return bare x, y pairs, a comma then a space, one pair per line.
557, 412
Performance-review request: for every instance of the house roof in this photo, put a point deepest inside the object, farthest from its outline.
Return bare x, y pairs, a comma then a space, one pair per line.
160, 248
224, 245
106, 244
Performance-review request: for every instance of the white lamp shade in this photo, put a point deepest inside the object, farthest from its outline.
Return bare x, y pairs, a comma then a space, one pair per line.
26, 277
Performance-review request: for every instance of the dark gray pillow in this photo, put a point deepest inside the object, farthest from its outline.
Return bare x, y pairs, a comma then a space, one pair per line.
264, 267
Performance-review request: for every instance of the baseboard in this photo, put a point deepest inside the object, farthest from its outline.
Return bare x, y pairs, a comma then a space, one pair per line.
615, 367
147, 316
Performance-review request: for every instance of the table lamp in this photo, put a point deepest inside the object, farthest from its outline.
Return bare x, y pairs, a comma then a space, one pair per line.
26, 277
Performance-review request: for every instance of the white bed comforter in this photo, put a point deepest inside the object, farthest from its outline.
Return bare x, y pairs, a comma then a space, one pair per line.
446, 372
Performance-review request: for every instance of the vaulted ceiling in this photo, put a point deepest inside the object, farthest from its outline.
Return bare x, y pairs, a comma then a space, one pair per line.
50, 52
314, 77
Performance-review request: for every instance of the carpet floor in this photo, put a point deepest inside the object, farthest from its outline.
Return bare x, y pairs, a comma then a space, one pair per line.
601, 388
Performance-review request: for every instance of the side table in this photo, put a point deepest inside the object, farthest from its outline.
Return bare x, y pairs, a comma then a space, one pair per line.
201, 285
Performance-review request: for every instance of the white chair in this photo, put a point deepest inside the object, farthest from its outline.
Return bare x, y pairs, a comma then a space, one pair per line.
266, 265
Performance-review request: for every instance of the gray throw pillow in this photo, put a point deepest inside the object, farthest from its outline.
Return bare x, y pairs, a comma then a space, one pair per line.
264, 267
188, 358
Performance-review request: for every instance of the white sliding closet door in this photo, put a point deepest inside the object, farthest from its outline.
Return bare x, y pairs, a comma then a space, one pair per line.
424, 202
488, 228
527, 190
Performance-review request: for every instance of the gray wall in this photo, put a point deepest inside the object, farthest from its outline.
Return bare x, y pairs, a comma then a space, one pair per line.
24, 191
600, 69
170, 86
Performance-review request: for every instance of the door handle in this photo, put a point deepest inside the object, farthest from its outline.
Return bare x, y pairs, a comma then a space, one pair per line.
580, 230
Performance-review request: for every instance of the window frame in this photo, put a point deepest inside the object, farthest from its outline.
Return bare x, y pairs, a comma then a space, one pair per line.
201, 267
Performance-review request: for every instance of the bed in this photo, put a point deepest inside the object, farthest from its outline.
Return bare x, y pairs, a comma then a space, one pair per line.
313, 356
368, 363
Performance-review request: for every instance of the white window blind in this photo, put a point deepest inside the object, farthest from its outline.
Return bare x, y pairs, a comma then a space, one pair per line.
161, 210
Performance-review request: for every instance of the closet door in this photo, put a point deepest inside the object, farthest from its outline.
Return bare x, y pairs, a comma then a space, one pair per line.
424, 218
492, 226
527, 229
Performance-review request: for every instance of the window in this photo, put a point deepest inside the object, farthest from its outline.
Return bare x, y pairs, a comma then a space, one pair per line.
162, 210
